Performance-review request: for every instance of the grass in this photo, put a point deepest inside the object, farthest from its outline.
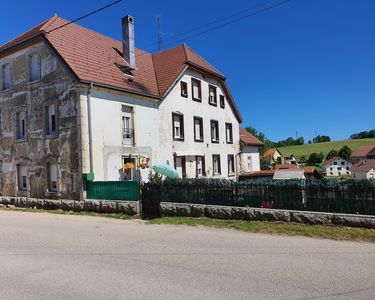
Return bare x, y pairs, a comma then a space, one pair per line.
293, 229
306, 149
72, 213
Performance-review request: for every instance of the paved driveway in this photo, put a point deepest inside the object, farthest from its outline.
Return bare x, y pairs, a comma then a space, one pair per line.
45, 256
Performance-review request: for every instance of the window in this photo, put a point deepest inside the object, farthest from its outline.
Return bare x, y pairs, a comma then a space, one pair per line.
331, 168
249, 163
21, 125
342, 163
339, 168
335, 163
184, 89
229, 133
222, 101
198, 129
51, 119
178, 126
214, 131
127, 125
212, 98
200, 167
52, 177
197, 89
216, 164
34, 67
22, 177
230, 164
6, 75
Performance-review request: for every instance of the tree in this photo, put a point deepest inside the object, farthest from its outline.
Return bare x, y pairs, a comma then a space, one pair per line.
331, 154
265, 163
345, 152
321, 139
315, 158
303, 159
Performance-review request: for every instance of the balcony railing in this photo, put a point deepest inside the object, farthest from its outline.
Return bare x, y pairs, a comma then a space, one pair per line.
128, 137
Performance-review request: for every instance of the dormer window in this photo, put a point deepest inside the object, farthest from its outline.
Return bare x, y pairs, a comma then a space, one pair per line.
212, 95
6, 75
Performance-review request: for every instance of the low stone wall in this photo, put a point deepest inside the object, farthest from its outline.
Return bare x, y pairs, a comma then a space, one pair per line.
100, 206
261, 214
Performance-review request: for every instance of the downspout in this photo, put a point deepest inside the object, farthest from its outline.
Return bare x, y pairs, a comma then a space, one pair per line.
91, 85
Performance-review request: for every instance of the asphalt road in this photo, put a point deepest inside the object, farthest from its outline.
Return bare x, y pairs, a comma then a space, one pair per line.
45, 256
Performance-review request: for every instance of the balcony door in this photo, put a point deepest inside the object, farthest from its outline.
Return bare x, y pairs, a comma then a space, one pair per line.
127, 126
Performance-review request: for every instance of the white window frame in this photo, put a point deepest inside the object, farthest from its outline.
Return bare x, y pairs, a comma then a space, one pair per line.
53, 177
34, 67
51, 119
6, 76
22, 174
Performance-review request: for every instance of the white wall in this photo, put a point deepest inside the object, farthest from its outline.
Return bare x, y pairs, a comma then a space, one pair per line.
106, 123
333, 170
253, 152
174, 102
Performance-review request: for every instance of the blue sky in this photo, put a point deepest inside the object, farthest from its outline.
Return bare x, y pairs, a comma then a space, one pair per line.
307, 65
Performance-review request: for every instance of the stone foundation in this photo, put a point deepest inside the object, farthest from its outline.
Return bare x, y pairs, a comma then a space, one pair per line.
261, 214
100, 206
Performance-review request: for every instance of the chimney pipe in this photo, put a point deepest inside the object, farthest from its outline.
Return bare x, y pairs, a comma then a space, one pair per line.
128, 47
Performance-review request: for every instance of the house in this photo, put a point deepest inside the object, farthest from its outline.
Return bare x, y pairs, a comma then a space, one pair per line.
290, 159
275, 155
77, 105
364, 152
336, 166
308, 172
364, 169
249, 157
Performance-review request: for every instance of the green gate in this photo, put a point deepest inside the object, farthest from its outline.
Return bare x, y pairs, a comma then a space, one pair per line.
113, 190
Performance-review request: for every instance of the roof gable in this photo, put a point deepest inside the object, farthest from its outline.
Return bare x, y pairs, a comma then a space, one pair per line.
364, 151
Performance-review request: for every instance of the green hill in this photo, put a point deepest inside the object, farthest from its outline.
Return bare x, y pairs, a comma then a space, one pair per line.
306, 149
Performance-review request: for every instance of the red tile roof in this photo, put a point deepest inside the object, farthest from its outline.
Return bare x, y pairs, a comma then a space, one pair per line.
364, 166
328, 161
270, 152
287, 167
248, 139
91, 57
364, 151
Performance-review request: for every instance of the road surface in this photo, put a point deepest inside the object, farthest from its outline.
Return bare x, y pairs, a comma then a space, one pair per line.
46, 256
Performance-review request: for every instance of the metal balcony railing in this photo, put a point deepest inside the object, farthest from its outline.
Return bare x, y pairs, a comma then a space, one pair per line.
128, 137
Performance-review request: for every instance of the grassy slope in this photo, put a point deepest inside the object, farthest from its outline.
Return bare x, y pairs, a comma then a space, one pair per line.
325, 147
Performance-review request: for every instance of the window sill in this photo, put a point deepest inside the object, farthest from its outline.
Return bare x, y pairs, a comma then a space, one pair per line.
185, 96
212, 103
53, 194
52, 135
22, 193
229, 142
197, 100
20, 140
232, 174
178, 139
215, 141
199, 140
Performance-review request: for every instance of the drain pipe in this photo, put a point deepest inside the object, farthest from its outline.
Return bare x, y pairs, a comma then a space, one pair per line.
91, 85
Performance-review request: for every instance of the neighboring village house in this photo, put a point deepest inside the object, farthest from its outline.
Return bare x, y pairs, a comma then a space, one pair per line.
275, 155
77, 104
336, 167
289, 159
249, 158
364, 169
364, 152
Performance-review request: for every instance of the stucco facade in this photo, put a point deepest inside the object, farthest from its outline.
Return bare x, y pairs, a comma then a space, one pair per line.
250, 159
337, 167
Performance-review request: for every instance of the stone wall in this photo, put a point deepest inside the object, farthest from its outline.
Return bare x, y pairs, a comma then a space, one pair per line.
168, 209
100, 206
55, 86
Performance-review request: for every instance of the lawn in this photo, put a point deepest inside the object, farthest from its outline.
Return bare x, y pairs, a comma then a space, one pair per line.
315, 231
306, 149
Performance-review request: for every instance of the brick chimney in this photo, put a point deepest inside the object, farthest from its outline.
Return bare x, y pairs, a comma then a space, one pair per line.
128, 47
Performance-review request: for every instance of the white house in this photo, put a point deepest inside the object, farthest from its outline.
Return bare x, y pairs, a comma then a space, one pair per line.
336, 166
249, 157
364, 169
78, 104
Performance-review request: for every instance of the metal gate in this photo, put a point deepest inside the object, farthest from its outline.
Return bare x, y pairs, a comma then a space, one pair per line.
150, 201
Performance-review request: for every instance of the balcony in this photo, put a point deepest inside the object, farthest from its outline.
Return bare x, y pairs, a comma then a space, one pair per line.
128, 137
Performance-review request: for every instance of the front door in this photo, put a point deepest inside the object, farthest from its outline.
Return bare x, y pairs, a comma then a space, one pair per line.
180, 166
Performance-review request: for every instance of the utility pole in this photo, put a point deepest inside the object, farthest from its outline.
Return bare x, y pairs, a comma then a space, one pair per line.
160, 40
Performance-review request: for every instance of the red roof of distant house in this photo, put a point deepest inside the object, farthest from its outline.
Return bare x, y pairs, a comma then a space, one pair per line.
270, 152
364, 151
332, 159
364, 166
248, 139
91, 57
287, 167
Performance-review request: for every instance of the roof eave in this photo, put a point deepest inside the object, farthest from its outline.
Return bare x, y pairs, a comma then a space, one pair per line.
20, 42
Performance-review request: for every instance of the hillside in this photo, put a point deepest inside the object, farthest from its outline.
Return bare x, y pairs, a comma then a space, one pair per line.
306, 149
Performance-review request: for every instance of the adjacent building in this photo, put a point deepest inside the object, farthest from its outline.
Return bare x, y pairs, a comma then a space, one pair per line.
336, 167
364, 152
275, 155
364, 169
77, 104
290, 159
249, 157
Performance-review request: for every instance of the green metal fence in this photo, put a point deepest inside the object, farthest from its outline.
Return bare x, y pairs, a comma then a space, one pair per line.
113, 190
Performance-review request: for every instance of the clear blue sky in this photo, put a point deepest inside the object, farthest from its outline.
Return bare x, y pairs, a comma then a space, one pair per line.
307, 65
